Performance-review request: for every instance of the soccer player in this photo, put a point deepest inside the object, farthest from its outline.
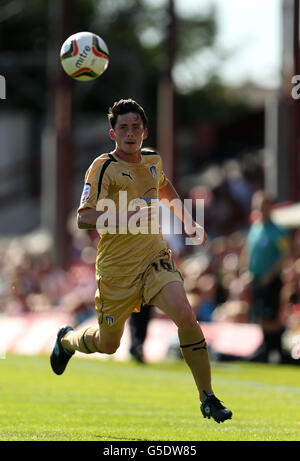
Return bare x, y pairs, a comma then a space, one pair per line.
134, 268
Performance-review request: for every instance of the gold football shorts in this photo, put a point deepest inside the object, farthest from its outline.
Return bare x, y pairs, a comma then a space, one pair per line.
117, 297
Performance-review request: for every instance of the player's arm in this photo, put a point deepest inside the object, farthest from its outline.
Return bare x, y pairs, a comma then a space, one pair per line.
87, 218
169, 196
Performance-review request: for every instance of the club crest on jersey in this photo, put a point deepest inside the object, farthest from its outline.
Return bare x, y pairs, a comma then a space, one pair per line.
86, 192
153, 171
109, 320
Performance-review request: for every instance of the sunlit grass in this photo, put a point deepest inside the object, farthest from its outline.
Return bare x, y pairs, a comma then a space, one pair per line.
113, 401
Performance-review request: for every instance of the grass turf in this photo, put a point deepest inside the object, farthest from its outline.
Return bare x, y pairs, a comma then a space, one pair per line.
111, 401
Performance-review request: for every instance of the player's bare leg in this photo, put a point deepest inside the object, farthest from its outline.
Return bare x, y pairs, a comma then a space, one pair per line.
173, 301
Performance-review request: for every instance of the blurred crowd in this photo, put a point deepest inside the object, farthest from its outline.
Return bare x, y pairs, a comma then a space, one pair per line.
219, 284
30, 282
217, 279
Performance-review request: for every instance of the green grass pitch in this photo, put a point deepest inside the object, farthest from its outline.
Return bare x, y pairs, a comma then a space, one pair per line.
98, 400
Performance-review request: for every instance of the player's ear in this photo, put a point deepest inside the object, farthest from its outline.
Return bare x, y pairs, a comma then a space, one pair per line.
112, 134
145, 133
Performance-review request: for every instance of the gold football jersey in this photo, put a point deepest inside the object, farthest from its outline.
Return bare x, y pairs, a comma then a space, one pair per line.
124, 183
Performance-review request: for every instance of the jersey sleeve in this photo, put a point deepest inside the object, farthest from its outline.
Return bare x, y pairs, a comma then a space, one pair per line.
96, 185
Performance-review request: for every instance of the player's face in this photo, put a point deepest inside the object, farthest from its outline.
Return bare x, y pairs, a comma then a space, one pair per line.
129, 133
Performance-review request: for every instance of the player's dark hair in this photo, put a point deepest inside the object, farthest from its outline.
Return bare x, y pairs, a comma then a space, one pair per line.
123, 107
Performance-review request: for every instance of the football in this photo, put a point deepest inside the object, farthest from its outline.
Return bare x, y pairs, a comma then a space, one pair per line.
84, 56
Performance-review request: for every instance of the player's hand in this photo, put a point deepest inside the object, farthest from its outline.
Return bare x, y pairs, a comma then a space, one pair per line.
196, 233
